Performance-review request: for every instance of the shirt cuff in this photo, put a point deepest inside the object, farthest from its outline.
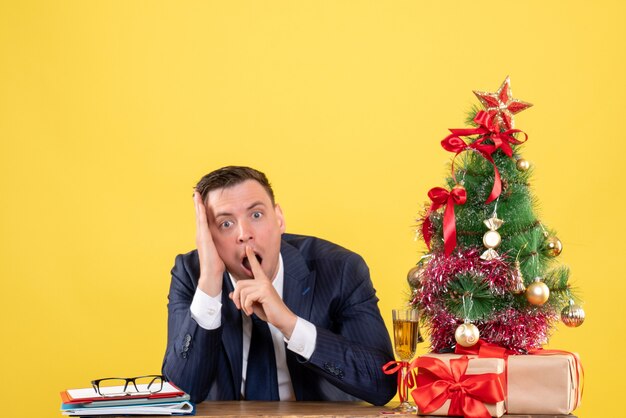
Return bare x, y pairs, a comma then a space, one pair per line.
303, 338
206, 310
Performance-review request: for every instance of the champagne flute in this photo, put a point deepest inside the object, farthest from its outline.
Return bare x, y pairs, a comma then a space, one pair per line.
406, 335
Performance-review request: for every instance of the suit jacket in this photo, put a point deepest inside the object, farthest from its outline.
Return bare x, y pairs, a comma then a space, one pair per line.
325, 284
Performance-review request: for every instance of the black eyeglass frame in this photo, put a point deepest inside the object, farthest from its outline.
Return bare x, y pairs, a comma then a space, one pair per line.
128, 380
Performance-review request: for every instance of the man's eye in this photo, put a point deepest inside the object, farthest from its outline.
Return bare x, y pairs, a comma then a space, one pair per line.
257, 215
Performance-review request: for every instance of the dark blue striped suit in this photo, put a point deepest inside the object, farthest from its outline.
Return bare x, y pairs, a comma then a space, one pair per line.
324, 284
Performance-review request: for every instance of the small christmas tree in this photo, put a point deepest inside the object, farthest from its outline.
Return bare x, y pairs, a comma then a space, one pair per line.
490, 269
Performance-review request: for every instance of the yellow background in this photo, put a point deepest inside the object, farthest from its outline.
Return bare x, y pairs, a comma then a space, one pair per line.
110, 111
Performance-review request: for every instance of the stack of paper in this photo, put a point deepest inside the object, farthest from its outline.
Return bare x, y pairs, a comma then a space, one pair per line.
85, 402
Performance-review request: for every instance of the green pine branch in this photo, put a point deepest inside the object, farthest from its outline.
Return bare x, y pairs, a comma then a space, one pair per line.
469, 297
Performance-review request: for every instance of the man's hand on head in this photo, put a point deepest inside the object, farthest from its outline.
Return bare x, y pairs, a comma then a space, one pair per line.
211, 265
258, 296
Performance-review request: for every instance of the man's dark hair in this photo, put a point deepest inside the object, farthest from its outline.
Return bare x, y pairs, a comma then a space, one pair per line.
230, 176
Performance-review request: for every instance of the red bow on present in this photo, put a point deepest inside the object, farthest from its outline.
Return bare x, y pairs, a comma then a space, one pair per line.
440, 196
408, 381
489, 131
467, 393
489, 350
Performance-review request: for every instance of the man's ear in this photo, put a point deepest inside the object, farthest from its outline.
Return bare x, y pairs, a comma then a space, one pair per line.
280, 217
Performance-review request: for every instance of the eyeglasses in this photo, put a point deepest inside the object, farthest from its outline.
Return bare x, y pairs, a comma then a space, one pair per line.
128, 386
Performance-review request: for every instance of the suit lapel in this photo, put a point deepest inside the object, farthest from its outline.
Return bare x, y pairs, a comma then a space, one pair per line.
298, 290
299, 282
232, 336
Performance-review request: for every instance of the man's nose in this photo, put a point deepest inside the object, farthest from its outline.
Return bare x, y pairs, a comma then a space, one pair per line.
245, 232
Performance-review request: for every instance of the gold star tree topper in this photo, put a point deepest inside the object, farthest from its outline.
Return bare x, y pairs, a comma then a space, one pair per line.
501, 105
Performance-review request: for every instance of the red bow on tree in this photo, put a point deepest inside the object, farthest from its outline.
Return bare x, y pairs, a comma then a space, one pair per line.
467, 393
439, 197
489, 130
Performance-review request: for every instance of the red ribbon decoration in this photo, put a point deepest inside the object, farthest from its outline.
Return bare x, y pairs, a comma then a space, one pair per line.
489, 130
409, 380
455, 144
485, 350
489, 350
440, 196
467, 393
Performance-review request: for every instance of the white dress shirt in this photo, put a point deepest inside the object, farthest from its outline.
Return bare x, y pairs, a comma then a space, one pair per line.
206, 311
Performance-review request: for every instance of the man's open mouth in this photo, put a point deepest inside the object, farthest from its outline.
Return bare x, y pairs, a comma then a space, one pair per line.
246, 262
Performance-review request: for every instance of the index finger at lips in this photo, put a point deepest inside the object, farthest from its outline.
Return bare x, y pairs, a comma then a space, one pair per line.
257, 271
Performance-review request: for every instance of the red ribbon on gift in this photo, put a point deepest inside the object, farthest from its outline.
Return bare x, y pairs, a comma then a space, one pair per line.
489, 130
489, 350
407, 382
440, 197
485, 350
467, 393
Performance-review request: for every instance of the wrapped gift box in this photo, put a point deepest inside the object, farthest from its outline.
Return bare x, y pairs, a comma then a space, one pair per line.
543, 384
484, 367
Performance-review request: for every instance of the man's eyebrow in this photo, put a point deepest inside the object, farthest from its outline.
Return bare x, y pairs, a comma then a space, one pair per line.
220, 214
255, 204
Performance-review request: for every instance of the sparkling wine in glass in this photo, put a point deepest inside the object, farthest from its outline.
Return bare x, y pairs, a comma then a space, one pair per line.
406, 335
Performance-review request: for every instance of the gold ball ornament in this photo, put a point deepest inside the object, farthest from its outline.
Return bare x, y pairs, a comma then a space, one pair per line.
467, 334
537, 293
522, 164
415, 275
573, 315
553, 246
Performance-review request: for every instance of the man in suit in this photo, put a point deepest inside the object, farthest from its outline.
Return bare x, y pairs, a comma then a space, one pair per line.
255, 313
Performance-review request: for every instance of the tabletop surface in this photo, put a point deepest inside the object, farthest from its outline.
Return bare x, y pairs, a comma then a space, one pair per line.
309, 410
289, 409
